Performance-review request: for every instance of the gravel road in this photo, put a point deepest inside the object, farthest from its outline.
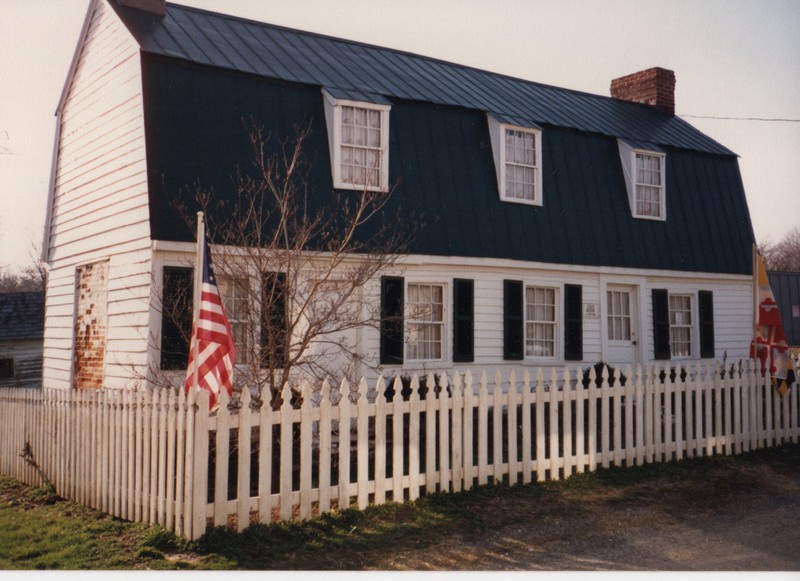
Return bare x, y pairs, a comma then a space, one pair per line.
746, 519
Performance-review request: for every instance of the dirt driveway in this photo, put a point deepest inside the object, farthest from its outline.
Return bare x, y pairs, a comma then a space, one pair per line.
745, 517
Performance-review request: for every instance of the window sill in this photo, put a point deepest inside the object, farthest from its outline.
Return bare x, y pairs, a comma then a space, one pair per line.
652, 218
359, 187
521, 201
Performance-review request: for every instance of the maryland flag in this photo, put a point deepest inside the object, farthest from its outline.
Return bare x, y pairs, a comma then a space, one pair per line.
769, 345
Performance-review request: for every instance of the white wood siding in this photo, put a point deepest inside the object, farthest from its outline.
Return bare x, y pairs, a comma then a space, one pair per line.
99, 206
732, 310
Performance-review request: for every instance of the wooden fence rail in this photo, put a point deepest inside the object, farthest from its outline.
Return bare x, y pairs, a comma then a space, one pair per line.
159, 457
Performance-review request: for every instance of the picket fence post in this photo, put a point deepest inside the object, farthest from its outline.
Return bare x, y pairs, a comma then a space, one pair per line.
143, 454
306, 428
324, 450
362, 446
456, 441
527, 409
541, 463
483, 444
380, 441
468, 429
243, 476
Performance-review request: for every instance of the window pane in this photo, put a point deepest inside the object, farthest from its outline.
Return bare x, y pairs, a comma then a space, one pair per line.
520, 164
619, 315
648, 185
361, 153
425, 311
540, 327
233, 292
680, 321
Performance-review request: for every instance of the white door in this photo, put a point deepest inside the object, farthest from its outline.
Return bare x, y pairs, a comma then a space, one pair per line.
622, 327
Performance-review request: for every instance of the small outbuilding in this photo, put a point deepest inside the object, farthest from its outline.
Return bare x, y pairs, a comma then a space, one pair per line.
786, 287
21, 339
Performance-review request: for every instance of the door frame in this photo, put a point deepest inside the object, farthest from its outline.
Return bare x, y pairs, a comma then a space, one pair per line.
636, 285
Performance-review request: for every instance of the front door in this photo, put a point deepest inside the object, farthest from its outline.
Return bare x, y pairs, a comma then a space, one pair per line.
621, 324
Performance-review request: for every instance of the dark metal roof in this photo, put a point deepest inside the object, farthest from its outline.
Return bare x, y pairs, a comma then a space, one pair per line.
786, 288
21, 316
350, 68
440, 158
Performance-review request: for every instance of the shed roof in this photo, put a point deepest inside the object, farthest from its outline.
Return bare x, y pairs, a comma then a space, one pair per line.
786, 287
21, 315
353, 68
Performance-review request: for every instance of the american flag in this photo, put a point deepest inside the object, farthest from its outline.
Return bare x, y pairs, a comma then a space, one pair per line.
212, 354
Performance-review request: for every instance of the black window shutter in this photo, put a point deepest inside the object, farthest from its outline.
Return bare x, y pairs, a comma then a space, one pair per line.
512, 320
463, 320
392, 304
661, 348
274, 320
705, 301
177, 310
573, 322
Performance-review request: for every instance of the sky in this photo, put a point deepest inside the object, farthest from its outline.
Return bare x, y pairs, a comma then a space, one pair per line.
736, 62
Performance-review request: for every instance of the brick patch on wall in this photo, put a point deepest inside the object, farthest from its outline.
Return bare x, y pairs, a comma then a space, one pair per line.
90, 324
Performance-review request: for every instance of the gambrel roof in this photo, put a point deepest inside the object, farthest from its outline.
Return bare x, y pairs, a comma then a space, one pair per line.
206, 76
358, 71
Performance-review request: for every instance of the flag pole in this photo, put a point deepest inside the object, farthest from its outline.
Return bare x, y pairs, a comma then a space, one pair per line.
198, 289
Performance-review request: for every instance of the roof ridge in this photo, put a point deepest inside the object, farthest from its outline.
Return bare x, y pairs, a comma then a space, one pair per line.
238, 43
401, 51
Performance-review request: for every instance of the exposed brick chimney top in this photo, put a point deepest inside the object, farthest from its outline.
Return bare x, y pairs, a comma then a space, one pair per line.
655, 87
158, 7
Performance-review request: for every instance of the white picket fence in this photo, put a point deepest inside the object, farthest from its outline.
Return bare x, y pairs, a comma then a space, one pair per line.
161, 458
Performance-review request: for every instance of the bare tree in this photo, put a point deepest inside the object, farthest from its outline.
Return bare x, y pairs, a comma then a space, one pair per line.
31, 278
784, 255
292, 271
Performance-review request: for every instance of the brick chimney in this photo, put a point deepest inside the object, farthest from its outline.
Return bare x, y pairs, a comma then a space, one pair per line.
655, 87
158, 7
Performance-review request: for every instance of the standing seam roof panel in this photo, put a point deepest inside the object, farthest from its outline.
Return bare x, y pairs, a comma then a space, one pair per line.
185, 29
330, 73
242, 49
357, 77
428, 79
413, 87
369, 71
190, 33
316, 74
296, 72
470, 92
250, 44
165, 40
269, 64
224, 47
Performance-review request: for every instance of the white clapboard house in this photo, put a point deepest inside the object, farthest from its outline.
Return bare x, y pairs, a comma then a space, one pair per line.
565, 227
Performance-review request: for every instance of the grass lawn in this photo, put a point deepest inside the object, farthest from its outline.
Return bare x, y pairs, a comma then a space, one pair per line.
38, 530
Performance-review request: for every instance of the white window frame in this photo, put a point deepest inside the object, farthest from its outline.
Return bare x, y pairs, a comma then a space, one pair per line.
244, 342
334, 115
412, 320
498, 132
628, 153
661, 187
691, 327
555, 323
613, 316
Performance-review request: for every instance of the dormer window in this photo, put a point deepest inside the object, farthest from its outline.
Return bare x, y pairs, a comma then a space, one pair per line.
644, 169
518, 161
649, 195
358, 135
